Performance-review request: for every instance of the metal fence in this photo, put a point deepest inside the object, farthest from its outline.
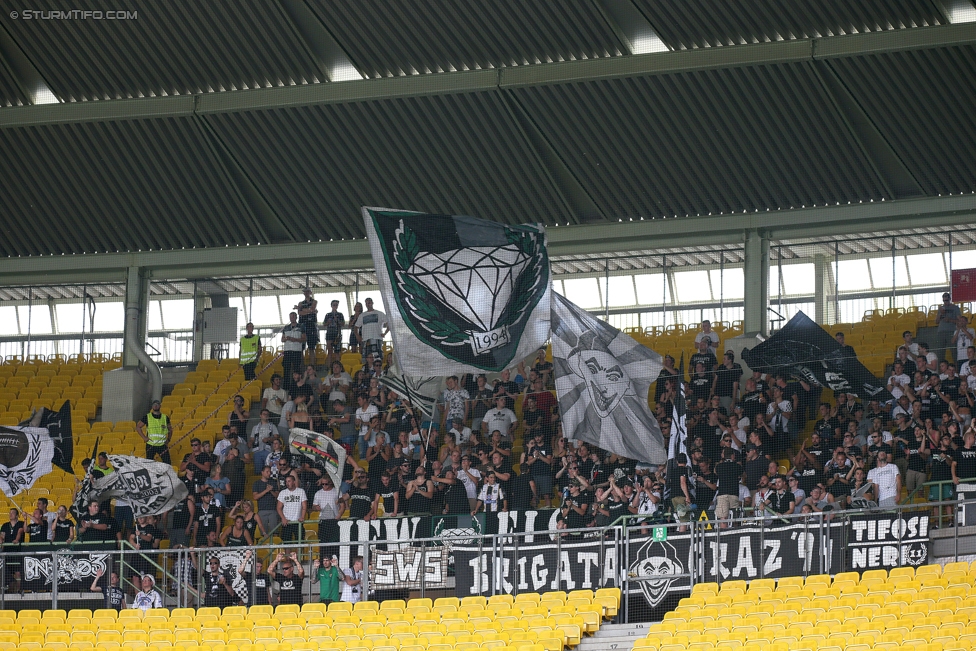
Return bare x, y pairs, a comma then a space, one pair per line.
655, 564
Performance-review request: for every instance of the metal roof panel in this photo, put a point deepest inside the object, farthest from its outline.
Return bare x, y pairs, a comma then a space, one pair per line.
168, 48
116, 186
403, 37
688, 24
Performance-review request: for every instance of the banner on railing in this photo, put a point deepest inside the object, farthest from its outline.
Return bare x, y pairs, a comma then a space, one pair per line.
656, 566
585, 564
409, 568
75, 572
886, 540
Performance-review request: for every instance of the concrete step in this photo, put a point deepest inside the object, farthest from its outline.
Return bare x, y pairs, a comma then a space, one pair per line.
614, 637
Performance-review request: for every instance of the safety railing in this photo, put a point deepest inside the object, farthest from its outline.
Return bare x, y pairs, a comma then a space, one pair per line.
654, 564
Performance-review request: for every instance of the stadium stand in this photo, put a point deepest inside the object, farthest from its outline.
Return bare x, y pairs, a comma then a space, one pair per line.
929, 607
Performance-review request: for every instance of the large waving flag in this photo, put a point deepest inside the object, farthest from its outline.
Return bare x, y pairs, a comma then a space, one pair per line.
321, 449
463, 295
602, 381
31, 450
804, 349
150, 487
422, 391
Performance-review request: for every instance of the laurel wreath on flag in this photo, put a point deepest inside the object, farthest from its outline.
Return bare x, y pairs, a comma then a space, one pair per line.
20, 478
423, 304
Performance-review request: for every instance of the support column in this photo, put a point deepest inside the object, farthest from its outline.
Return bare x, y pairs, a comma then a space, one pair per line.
137, 298
823, 289
199, 304
756, 294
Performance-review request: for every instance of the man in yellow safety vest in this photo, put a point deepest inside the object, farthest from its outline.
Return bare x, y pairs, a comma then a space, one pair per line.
250, 352
156, 430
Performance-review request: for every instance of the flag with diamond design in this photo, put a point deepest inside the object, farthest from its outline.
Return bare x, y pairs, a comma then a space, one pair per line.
464, 295
602, 381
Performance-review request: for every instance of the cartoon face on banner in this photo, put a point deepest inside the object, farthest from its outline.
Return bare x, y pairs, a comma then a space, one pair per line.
605, 378
657, 559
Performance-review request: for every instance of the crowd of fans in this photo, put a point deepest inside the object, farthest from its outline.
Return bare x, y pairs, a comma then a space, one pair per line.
497, 445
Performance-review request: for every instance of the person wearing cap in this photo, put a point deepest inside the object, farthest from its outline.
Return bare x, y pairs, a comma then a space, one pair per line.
156, 430
328, 577
148, 597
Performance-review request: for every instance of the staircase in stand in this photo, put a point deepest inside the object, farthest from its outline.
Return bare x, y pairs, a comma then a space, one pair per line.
614, 637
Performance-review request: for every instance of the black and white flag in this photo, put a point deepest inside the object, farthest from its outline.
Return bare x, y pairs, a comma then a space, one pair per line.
421, 391
321, 449
463, 295
678, 443
804, 349
602, 382
150, 487
32, 449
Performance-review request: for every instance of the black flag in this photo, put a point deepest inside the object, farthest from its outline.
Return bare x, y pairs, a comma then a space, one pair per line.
28, 450
58, 425
804, 349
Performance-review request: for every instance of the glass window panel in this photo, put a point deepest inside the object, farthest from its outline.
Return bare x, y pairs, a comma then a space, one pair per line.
774, 288
288, 303
650, 288
927, 269
621, 292
733, 287
964, 259
881, 272
585, 292
265, 310
69, 317
177, 314
853, 275
901, 271
8, 322
155, 316
109, 317
557, 286
692, 286
798, 279
39, 322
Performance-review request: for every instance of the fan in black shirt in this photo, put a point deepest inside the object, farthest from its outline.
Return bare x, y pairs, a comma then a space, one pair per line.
359, 497
37, 528
64, 527
706, 484
217, 587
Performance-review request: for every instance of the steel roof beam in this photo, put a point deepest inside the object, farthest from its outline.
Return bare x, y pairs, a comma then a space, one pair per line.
600, 239
638, 65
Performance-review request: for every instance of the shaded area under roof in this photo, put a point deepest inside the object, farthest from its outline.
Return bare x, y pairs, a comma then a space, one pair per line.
711, 142
921, 102
116, 186
403, 37
455, 154
176, 47
688, 24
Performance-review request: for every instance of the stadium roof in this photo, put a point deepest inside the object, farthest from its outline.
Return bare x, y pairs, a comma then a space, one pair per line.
194, 124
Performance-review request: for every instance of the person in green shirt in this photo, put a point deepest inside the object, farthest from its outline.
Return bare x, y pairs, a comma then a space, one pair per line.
327, 576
